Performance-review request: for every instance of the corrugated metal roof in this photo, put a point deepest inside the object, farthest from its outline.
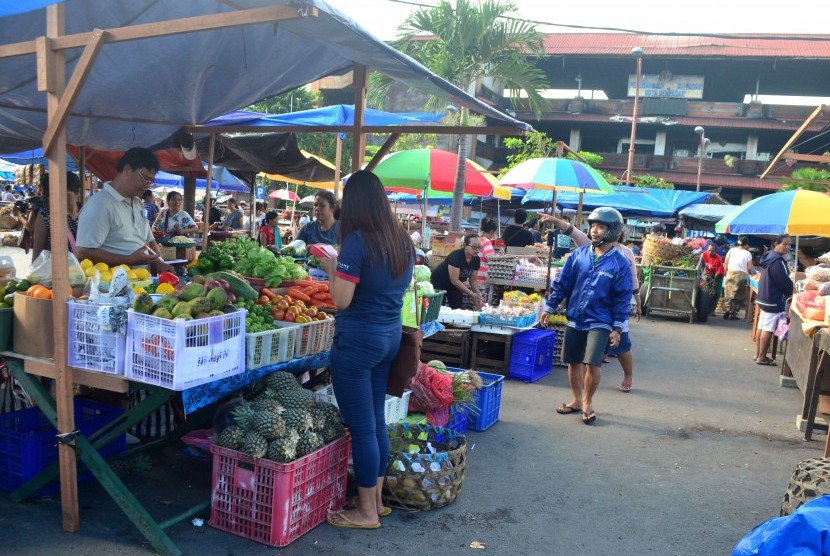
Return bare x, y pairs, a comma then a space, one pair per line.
737, 46
738, 123
721, 180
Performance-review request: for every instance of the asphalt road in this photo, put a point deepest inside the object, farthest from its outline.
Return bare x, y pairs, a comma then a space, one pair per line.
698, 454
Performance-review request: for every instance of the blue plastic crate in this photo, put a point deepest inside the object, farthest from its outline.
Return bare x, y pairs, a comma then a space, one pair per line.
28, 444
488, 401
457, 422
531, 354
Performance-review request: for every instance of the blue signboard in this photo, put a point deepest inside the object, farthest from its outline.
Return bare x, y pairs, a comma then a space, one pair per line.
260, 192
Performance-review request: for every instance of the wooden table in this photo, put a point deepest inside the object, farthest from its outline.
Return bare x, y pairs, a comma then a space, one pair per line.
803, 363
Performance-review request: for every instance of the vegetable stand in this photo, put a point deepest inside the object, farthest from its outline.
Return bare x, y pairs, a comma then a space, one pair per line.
27, 369
673, 290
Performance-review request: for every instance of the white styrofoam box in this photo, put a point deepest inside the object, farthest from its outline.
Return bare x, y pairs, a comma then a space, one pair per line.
180, 354
91, 343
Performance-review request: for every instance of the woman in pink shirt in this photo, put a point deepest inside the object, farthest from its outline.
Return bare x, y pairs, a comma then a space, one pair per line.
488, 233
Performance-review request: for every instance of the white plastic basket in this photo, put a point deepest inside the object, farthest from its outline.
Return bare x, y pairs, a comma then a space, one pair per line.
395, 409
269, 347
179, 354
91, 344
312, 337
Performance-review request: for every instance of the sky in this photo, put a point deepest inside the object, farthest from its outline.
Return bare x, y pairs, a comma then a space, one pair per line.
382, 17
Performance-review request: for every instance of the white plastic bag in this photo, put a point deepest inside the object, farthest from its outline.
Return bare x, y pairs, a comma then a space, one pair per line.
40, 271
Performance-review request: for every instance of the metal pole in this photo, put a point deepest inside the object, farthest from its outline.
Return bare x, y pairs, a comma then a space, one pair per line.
700, 131
637, 52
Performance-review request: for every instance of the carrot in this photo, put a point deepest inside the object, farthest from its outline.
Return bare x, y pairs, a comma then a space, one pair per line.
322, 296
318, 303
267, 293
297, 294
308, 290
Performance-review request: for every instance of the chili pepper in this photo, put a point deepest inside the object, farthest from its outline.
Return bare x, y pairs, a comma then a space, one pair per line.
168, 278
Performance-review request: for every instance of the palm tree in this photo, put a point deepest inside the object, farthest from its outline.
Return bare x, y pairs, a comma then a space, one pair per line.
814, 179
472, 41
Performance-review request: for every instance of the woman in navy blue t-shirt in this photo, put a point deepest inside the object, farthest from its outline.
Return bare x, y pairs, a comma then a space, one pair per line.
367, 281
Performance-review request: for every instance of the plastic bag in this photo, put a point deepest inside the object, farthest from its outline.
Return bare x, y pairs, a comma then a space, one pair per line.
819, 273
40, 271
803, 532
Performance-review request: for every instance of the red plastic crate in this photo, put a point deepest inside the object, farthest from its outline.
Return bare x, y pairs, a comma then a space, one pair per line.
277, 503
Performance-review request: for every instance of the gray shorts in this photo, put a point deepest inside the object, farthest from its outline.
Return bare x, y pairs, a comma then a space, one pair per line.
585, 346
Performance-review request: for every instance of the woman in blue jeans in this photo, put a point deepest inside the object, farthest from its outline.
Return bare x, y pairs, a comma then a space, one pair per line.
367, 281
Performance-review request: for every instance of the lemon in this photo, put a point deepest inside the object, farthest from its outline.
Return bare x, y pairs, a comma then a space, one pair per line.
142, 273
106, 276
86, 263
90, 272
124, 266
101, 266
132, 275
165, 288
139, 290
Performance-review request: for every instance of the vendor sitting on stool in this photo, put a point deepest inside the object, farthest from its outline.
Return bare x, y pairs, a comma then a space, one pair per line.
458, 274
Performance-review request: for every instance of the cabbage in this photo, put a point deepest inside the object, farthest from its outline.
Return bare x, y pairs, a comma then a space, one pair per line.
425, 288
422, 273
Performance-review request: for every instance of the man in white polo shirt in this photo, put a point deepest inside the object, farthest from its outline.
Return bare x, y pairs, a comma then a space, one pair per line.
112, 227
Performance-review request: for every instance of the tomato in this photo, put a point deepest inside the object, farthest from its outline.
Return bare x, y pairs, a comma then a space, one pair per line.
278, 315
289, 317
263, 300
282, 304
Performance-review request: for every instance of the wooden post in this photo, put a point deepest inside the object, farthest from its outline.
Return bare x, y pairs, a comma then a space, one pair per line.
359, 139
338, 162
189, 194
82, 174
53, 65
211, 148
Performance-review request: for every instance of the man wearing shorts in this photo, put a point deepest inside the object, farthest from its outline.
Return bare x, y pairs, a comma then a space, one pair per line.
596, 280
774, 287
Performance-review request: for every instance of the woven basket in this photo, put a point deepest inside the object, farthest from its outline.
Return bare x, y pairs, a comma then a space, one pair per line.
653, 249
424, 481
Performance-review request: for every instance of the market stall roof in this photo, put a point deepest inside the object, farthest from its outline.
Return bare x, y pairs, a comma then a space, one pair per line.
628, 200
336, 115
139, 91
709, 213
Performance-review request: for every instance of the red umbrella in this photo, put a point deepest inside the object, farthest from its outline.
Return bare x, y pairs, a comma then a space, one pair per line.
284, 195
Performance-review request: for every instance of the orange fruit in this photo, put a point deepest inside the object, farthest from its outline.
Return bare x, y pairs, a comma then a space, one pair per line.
43, 293
31, 291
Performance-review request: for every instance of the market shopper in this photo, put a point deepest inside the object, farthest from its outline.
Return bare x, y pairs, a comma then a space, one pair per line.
233, 220
325, 228
112, 228
515, 235
488, 234
175, 221
150, 207
596, 281
774, 287
269, 232
713, 273
42, 231
623, 350
458, 274
738, 265
367, 280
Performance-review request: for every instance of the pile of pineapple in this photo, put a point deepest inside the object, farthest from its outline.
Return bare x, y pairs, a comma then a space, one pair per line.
283, 423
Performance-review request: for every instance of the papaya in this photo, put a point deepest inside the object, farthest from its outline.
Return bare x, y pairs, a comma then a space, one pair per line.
143, 304
184, 316
200, 305
218, 298
163, 313
168, 302
216, 313
181, 308
228, 309
241, 288
192, 291
203, 315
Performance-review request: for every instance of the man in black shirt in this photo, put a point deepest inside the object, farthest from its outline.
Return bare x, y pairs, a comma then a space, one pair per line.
515, 235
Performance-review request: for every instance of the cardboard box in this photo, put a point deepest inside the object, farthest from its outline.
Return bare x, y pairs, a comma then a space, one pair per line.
34, 331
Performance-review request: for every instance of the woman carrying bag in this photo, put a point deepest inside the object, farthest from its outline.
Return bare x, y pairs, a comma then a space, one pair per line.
367, 281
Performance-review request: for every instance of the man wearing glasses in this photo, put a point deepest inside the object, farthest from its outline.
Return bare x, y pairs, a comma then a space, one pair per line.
458, 273
112, 227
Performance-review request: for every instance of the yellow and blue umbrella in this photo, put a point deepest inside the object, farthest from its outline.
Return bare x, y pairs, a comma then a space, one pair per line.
798, 212
560, 174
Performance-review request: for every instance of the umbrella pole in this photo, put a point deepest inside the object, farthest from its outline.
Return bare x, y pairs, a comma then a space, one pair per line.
796, 254
579, 210
424, 217
206, 216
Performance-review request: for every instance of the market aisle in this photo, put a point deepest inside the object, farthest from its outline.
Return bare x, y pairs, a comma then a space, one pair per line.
696, 456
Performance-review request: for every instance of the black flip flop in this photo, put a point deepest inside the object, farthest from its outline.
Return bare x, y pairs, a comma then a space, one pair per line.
565, 409
765, 361
588, 418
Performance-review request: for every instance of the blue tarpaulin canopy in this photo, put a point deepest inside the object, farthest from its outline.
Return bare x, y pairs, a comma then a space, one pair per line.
139, 92
639, 201
337, 115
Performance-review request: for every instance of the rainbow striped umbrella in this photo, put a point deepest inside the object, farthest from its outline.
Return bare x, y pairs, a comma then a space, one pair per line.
430, 169
560, 174
798, 212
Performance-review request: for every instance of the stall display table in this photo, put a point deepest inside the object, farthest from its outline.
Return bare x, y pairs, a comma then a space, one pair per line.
486, 336
804, 362
26, 369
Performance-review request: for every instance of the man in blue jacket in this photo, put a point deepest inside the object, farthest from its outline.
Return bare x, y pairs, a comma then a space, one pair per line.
596, 281
774, 287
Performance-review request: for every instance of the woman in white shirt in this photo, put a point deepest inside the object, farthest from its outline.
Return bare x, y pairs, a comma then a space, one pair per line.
738, 265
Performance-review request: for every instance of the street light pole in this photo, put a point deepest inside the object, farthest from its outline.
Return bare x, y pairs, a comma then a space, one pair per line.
637, 52
699, 130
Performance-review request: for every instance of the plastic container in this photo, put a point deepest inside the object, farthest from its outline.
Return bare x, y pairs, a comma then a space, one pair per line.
457, 422
276, 503
91, 344
180, 354
312, 337
395, 409
431, 305
488, 401
28, 445
269, 347
7, 269
6, 328
531, 354
512, 322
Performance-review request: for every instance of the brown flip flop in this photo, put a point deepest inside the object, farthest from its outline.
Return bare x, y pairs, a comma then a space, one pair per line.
566, 409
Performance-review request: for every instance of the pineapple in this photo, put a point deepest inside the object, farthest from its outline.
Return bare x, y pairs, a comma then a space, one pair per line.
309, 442
268, 424
254, 444
121, 467
267, 404
298, 420
280, 380
334, 429
298, 398
230, 438
243, 415
318, 417
283, 449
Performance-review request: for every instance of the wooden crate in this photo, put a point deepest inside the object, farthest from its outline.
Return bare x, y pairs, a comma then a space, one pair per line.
450, 346
169, 253
483, 357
